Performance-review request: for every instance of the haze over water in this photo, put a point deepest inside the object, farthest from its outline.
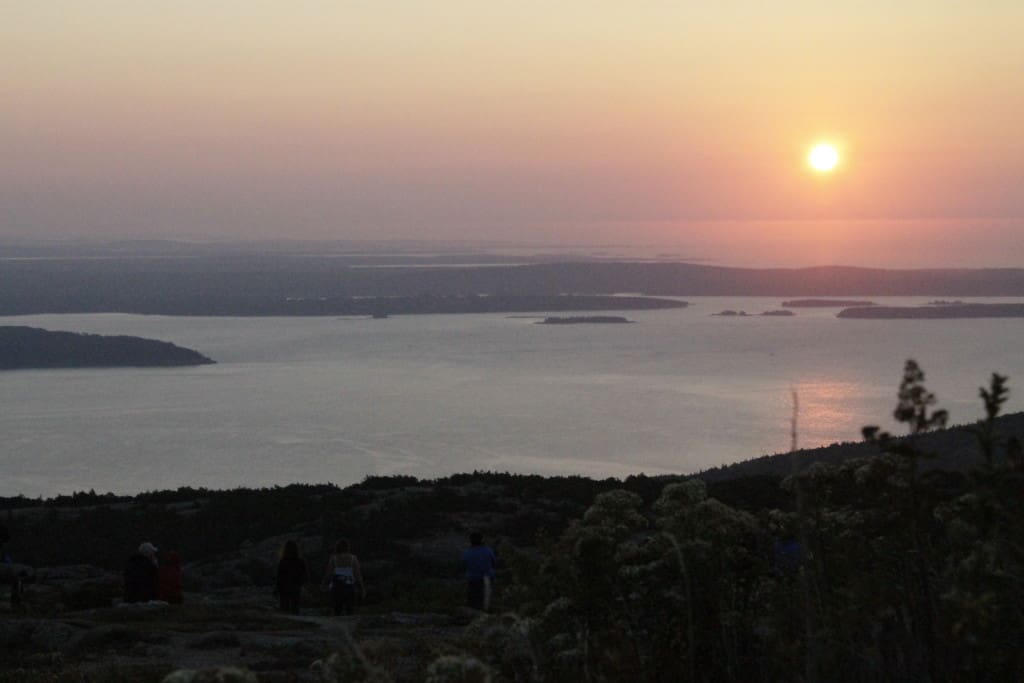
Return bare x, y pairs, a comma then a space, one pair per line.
326, 399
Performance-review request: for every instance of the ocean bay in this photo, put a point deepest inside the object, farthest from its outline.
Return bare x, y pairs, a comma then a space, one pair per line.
329, 399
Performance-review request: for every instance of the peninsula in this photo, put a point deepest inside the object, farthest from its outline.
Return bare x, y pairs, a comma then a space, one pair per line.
23, 348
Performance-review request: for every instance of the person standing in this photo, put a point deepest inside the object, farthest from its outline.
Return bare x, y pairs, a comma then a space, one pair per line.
7, 570
171, 579
343, 576
479, 562
291, 577
140, 575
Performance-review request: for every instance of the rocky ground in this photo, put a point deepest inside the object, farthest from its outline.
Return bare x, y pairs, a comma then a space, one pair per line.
48, 640
72, 627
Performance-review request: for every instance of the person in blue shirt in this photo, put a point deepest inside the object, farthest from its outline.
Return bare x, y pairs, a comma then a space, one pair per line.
479, 561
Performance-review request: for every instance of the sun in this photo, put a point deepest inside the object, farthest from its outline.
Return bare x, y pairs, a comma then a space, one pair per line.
823, 157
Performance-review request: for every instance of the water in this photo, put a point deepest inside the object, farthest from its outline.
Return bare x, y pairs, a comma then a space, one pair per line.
327, 399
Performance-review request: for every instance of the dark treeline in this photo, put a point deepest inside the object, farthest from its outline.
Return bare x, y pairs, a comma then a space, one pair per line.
276, 284
952, 448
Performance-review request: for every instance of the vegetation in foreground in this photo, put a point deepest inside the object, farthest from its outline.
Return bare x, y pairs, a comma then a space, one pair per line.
870, 569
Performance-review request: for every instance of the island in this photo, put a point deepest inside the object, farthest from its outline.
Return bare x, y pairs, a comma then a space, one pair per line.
729, 313
24, 348
825, 303
584, 319
936, 312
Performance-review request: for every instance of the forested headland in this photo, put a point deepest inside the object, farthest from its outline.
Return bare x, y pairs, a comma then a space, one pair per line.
23, 348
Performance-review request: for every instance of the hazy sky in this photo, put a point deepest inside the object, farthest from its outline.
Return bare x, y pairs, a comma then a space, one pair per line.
576, 120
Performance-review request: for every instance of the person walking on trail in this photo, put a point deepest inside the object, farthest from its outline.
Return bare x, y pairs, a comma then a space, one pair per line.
140, 575
479, 562
343, 576
291, 577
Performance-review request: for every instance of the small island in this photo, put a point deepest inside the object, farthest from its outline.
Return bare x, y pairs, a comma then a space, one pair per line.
825, 303
729, 313
25, 348
584, 319
936, 312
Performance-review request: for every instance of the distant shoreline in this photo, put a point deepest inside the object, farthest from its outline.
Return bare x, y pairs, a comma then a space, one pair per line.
585, 320
825, 303
289, 285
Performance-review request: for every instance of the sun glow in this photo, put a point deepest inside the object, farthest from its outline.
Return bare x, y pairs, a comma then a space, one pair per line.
823, 157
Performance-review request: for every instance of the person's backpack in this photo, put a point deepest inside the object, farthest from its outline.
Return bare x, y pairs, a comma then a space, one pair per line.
343, 576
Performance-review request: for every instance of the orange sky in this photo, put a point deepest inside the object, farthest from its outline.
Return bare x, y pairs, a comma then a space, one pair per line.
538, 121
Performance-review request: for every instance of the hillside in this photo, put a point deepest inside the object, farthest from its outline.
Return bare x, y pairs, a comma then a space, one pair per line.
954, 448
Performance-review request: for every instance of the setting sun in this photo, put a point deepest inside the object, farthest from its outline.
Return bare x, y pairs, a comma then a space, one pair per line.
823, 157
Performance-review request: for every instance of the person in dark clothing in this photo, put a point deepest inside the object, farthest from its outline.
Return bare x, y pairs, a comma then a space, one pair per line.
291, 577
343, 575
140, 575
171, 580
479, 562
11, 576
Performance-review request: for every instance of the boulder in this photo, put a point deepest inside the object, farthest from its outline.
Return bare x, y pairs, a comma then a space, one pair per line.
216, 675
442, 551
10, 571
81, 586
214, 640
254, 564
35, 635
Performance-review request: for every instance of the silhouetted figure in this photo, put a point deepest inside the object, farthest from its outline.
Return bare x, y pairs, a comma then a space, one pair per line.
479, 561
343, 575
13, 579
140, 575
291, 577
171, 579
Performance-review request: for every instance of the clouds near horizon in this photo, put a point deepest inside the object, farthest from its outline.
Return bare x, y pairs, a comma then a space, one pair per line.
466, 120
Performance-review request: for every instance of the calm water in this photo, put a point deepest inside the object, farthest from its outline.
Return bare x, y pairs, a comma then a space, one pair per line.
326, 399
